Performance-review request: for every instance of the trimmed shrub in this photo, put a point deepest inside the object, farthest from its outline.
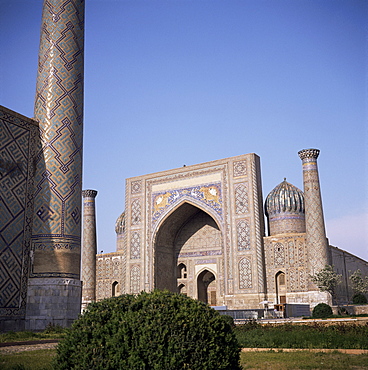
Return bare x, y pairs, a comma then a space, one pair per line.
158, 330
359, 298
322, 310
229, 320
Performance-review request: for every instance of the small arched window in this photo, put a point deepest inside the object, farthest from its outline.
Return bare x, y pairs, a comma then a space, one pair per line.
181, 271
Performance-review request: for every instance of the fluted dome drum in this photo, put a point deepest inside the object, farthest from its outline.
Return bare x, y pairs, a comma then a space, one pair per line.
284, 208
120, 231
120, 224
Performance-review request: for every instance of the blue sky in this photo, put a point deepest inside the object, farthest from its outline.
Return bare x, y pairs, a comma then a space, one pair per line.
177, 82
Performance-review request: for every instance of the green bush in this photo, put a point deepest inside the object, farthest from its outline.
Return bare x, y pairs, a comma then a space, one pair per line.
322, 310
158, 330
359, 298
229, 320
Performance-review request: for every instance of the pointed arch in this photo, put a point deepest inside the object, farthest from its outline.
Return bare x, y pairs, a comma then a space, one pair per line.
280, 280
182, 289
115, 289
184, 224
190, 201
206, 286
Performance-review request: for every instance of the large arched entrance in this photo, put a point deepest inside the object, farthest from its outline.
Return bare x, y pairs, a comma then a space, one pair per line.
181, 245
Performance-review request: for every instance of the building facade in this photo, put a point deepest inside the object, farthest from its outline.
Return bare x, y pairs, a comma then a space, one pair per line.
199, 230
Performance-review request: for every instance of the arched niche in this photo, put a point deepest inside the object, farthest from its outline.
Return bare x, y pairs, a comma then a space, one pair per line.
206, 287
115, 289
280, 279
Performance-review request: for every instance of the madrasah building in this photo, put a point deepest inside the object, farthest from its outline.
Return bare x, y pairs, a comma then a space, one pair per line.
198, 230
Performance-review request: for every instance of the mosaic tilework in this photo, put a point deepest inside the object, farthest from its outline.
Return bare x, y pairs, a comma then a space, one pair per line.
243, 234
136, 214
303, 279
135, 279
206, 262
110, 269
245, 273
241, 199
315, 229
279, 251
59, 110
136, 187
135, 246
210, 194
291, 252
293, 283
18, 144
89, 248
240, 168
200, 254
258, 223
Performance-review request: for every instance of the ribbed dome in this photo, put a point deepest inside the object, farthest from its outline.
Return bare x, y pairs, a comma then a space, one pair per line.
120, 224
284, 198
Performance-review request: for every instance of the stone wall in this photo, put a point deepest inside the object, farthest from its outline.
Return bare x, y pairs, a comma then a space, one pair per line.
345, 264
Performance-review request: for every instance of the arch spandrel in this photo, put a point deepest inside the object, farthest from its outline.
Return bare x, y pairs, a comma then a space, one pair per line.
206, 268
206, 196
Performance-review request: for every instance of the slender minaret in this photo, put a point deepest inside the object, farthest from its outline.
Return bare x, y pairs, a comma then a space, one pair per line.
54, 290
316, 241
89, 248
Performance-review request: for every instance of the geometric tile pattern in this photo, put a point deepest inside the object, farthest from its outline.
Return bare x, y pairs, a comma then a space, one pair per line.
135, 246
315, 228
18, 144
243, 233
59, 111
291, 252
136, 187
136, 212
89, 247
279, 251
245, 273
135, 279
240, 168
293, 283
241, 199
109, 270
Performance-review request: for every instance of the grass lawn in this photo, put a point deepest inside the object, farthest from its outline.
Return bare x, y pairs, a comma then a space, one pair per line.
275, 360
254, 335
27, 360
302, 360
21, 336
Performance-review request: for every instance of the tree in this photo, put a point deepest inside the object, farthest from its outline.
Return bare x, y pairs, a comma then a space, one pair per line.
359, 286
327, 280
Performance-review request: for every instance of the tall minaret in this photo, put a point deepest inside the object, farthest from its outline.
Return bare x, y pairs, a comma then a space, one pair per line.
54, 290
89, 248
316, 241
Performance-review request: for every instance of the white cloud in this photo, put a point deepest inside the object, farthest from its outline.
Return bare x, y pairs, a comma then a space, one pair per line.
349, 233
